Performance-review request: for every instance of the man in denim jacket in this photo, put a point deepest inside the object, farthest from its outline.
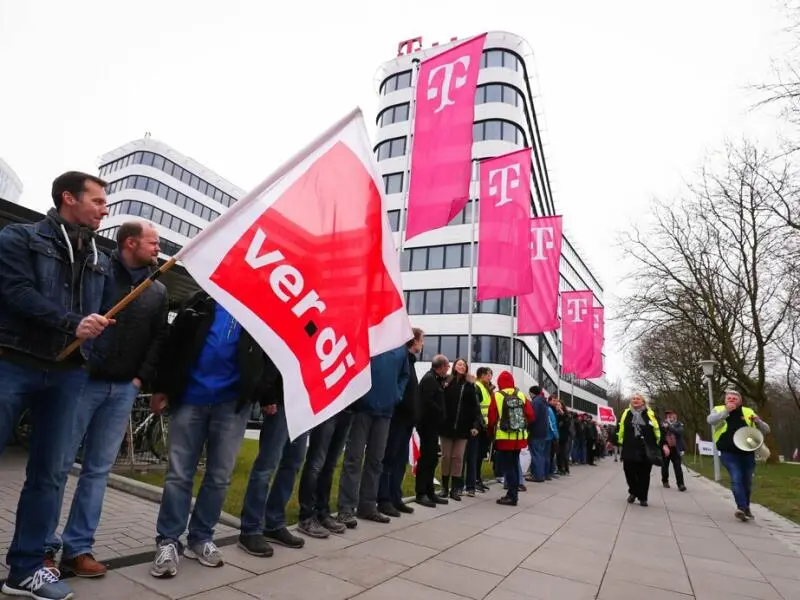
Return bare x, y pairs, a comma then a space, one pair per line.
54, 287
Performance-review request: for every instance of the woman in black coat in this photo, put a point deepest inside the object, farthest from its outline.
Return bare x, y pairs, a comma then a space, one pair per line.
639, 434
461, 421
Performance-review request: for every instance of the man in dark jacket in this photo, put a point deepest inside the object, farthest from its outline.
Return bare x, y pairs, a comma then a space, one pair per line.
390, 495
672, 437
122, 361
366, 444
538, 432
211, 371
54, 286
431, 398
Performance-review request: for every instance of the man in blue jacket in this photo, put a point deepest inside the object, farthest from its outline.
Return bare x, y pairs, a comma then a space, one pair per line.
54, 287
538, 433
369, 431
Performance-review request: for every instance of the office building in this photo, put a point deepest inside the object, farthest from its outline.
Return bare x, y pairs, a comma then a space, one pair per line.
149, 180
435, 265
10, 184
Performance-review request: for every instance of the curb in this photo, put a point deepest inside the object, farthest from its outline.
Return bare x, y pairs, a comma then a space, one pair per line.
149, 492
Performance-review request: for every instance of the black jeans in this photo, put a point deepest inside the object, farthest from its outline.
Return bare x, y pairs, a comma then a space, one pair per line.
563, 455
428, 458
590, 450
509, 466
637, 474
553, 456
326, 443
395, 458
477, 447
674, 458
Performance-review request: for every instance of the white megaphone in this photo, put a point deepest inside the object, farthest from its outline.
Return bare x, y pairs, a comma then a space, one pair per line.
748, 439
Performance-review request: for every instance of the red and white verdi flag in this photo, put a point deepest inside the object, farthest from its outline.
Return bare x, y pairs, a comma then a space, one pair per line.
441, 157
306, 263
505, 235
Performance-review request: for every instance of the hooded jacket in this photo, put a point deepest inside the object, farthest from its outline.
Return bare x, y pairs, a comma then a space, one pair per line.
390, 374
505, 383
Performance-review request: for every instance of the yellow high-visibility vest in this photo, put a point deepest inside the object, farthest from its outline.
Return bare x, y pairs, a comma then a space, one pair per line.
749, 418
486, 400
650, 415
508, 435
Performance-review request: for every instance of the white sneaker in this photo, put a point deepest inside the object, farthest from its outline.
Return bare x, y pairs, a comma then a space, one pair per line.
166, 561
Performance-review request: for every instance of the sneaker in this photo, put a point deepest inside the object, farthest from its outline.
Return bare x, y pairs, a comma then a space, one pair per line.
284, 537
749, 514
470, 493
388, 509
665, 484
373, 516
347, 519
50, 563
631, 498
166, 561
521, 488
682, 488
207, 554
740, 514
42, 585
423, 500
83, 565
313, 528
332, 525
255, 544
404, 508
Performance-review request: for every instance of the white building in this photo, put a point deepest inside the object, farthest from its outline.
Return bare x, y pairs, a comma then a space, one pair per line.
147, 179
436, 264
10, 184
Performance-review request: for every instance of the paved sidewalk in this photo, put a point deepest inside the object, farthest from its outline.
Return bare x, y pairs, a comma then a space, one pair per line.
571, 539
127, 527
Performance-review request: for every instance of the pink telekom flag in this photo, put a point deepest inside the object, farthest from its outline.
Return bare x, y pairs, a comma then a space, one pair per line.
307, 264
441, 157
577, 330
505, 234
538, 311
594, 367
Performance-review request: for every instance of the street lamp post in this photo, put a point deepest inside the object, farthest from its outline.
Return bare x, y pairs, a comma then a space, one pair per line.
708, 372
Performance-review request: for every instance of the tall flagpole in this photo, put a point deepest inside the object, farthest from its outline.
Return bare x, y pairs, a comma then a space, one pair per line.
513, 337
471, 291
412, 111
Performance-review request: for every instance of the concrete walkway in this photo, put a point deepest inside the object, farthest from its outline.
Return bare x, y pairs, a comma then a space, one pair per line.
569, 539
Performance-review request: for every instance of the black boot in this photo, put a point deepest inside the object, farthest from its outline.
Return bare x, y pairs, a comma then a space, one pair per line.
455, 493
445, 486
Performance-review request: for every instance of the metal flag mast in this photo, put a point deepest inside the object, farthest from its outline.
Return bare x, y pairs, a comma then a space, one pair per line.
412, 110
513, 336
471, 289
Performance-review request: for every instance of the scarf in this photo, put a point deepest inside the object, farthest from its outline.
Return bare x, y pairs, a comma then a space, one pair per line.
77, 237
638, 421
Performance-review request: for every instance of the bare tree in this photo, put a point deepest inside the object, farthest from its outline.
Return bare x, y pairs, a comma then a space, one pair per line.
715, 264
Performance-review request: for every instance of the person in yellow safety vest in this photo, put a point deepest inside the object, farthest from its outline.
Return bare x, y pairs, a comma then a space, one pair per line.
639, 435
478, 446
510, 412
740, 464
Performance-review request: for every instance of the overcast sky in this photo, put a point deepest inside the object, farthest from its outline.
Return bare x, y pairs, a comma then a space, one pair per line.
632, 94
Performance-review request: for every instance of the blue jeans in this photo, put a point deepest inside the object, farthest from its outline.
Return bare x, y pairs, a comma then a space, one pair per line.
264, 506
52, 396
508, 461
395, 459
221, 428
325, 446
540, 458
101, 417
741, 468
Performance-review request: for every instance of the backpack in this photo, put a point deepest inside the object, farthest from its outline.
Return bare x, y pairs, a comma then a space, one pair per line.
513, 420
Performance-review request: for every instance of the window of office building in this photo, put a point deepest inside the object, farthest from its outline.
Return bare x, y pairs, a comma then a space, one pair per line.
496, 58
168, 247
450, 256
486, 349
393, 183
172, 169
496, 129
396, 82
464, 216
391, 148
156, 215
171, 195
393, 114
498, 92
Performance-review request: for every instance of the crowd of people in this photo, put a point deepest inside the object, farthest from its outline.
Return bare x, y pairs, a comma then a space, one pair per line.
207, 371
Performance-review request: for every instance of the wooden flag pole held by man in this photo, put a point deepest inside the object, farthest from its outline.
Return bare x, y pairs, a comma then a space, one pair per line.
135, 293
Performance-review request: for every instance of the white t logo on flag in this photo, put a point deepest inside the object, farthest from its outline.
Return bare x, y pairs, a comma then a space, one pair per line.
543, 239
596, 320
576, 308
447, 79
509, 180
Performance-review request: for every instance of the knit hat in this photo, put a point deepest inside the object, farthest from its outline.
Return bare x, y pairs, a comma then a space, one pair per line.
505, 381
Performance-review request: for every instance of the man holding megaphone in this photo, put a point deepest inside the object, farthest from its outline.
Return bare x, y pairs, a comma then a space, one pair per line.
738, 433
